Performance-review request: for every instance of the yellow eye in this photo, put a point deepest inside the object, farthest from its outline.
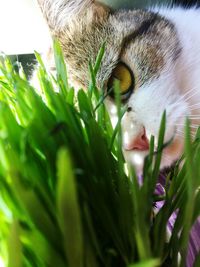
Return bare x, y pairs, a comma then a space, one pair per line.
124, 75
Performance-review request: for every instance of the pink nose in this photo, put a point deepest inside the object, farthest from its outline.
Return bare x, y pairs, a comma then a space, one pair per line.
139, 143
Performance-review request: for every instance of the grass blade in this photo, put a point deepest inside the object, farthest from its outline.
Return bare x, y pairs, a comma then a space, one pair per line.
69, 211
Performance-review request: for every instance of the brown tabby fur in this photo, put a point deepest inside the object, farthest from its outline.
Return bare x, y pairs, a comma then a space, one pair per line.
82, 36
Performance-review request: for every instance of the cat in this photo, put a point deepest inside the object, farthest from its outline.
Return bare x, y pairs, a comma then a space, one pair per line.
155, 56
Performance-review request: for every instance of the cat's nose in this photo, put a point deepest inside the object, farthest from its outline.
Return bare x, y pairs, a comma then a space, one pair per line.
140, 142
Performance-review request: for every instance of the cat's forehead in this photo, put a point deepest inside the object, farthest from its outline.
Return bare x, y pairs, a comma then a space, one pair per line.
148, 47
154, 50
142, 39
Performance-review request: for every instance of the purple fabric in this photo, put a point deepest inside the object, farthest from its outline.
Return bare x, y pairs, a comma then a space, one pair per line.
194, 240
160, 190
194, 244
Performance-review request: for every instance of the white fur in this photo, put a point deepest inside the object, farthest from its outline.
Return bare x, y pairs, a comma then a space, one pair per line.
177, 91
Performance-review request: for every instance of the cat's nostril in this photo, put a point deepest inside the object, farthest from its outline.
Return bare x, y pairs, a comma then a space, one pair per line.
140, 142
143, 137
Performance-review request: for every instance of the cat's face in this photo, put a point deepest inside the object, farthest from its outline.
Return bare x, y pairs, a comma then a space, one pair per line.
142, 119
142, 52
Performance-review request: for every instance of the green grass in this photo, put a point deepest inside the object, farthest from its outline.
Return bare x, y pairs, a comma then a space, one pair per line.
65, 197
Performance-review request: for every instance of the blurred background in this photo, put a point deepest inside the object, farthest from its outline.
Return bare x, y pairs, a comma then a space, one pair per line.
23, 29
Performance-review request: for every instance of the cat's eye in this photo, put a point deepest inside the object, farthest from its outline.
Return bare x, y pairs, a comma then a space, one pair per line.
123, 74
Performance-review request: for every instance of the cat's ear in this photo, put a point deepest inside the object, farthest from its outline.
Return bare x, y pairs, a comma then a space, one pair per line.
61, 13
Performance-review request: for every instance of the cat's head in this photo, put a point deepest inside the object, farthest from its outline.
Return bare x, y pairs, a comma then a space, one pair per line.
142, 52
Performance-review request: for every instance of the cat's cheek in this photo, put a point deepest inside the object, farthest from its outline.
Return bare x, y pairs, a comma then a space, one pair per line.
173, 152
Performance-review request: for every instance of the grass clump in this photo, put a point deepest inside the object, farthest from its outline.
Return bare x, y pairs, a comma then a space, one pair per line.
66, 199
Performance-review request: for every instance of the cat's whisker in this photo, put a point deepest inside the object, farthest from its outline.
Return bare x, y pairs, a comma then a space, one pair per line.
189, 116
180, 128
193, 118
194, 126
194, 105
188, 92
186, 95
195, 108
190, 96
182, 134
191, 126
182, 131
182, 118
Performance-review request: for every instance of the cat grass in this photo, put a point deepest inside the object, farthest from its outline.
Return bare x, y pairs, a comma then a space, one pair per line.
67, 197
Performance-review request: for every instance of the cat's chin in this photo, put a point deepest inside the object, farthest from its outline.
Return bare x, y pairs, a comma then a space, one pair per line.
170, 154
136, 158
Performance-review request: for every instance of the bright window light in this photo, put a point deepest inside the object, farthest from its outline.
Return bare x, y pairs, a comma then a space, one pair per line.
22, 27
2, 264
